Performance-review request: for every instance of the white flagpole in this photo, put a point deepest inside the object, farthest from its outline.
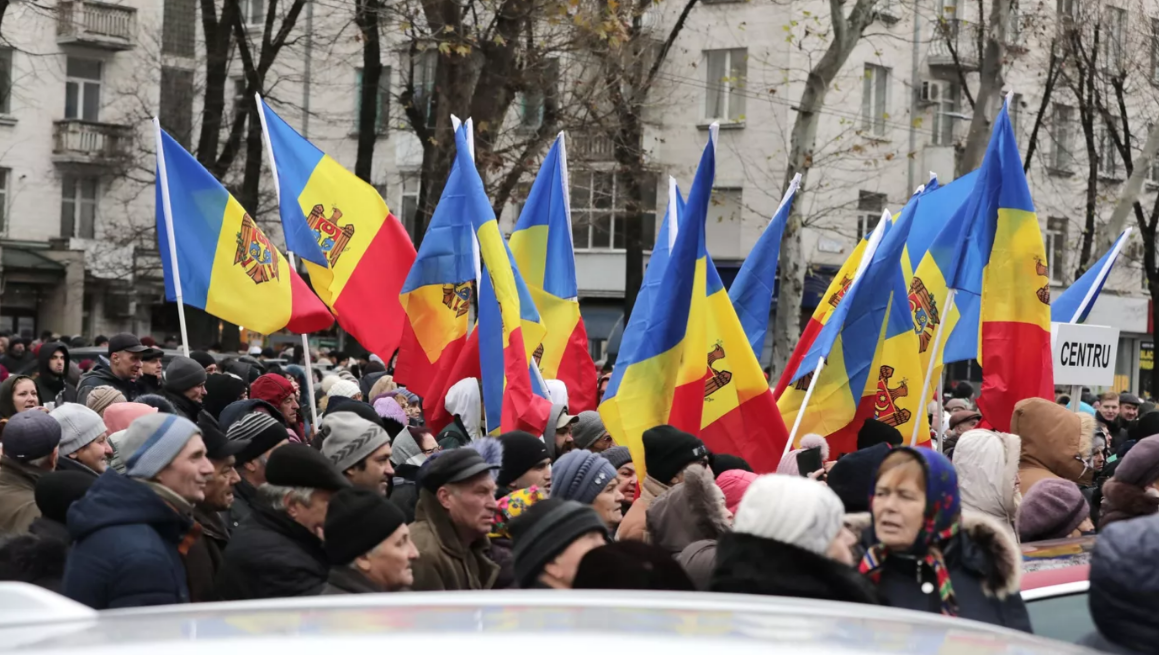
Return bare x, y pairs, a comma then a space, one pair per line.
290, 257
933, 359
167, 208
1089, 298
804, 404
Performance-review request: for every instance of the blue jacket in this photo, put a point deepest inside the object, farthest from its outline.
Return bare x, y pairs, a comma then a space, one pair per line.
127, 547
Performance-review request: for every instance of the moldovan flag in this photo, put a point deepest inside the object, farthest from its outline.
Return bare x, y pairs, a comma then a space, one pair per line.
225, 263
1001, 261
356, 251
1074, 304
660, 373
509, 324
752, 290
542, 246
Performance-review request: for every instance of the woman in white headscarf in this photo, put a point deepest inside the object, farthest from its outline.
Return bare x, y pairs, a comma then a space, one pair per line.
987, 465
464, 404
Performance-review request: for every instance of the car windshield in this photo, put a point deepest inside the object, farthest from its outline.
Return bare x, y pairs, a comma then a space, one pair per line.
1065, 618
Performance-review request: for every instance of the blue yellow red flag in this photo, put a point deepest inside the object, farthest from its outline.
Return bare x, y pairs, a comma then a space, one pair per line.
1074, 304
219, 256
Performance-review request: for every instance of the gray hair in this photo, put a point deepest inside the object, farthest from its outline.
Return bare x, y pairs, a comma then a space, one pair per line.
275, 495
41, 462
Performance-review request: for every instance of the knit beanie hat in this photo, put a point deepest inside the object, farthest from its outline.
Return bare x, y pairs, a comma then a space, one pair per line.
873, 432
152, 441
119, 416
156, 400
853, 476
545, 531
344, 388
668, 450
521, 452
1052, 509
259, 432
512, 506
617, 455
734, 483
792, 510
580, 475
347, 439
79, 426
721, 462
101, 397
631, 565
1141, 465
327, 382
587, 429
271, 388
788, 465
357, 520
183, 373
201, 357
30, 435
58, 490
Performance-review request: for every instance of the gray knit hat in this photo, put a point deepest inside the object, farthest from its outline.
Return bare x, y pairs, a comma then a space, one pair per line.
347, 439
546, 530
153, 441
183, 374
588, 428
79, 426
617, 455
581, 476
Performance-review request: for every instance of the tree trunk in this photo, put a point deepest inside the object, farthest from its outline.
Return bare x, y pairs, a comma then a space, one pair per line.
369, 101
1130, 195
1053, 68
630, 167
989, 83
217, 47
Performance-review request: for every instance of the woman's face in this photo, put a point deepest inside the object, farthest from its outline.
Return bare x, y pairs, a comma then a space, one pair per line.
24, 396
607, 505
626, 477
899, 505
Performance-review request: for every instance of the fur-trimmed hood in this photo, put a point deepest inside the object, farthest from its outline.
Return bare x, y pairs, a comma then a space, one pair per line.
1055, 441
693, 510
982, 547
987, 466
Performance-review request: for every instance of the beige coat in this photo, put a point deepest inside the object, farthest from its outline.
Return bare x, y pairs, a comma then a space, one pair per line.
18, 495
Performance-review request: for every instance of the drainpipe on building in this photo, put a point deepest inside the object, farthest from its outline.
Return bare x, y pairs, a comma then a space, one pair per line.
915, 86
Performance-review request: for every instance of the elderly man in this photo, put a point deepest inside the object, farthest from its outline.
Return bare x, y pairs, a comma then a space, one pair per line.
185, 386
31, 448
368, 544
360, 449
84, 440
123, 368
278, 551
261, 433
204, 557
131, 531
455, 512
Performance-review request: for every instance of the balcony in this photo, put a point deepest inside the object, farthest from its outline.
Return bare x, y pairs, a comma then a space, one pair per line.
954, 45
590, 146
97, 25
86, 142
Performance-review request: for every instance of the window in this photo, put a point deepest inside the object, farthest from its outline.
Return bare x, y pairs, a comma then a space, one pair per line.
78, 206
726, 76
1014, 25
253, 12
542, 87
179, 28
1056, 247
944, 121
409, 202
424, 65
1114, 33
82, 89
1155, 50
597, 202
1062, 136
870, 206
875, 99
5, 81
176, 112
1108, 154
1016, 116
5, 180
382, 117
239, 97
1066, 9
723, 236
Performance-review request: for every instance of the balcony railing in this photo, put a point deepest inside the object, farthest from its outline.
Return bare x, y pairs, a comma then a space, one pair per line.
111, 27
86, 142
591, 147
954, 43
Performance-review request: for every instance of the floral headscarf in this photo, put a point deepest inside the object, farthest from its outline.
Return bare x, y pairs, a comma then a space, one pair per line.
511, 506
942, 515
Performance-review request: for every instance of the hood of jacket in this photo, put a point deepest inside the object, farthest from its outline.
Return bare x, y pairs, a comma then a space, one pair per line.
463, 401
7, 388
1054, 438
982, 546
116, 500
406, 451
690, 511
749, 564
987, 466
46, 375
557, 410
1124, 581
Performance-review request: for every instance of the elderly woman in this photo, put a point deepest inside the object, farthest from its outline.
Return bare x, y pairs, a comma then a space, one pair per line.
987, 466
924, 554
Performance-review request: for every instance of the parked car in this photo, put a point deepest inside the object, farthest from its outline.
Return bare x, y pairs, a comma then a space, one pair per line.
1054, 586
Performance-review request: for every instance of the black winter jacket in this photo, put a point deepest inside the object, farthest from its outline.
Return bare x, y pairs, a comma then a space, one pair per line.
748, 564
404, 491
50, 387
102, 376
272, 556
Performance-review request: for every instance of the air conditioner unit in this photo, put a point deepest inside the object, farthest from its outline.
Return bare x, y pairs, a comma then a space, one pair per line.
932, 92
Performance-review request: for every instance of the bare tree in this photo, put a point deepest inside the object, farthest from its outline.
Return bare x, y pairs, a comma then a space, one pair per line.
366, 16
989, 84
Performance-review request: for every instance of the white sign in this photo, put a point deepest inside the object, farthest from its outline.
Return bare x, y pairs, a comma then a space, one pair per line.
1083, 354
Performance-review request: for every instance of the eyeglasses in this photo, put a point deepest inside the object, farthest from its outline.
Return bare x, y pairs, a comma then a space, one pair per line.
431, 451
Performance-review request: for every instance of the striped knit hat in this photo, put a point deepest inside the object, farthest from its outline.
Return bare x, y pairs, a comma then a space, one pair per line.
154, 441
259, 431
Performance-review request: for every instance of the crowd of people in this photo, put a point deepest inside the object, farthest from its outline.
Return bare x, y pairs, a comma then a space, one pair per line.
133, 481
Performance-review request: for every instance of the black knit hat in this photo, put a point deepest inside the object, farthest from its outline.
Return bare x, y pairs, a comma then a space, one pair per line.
873, 432
852, 477
357, 520
545, 530
201, 357
57, 491
668, 450
183, 373
631, 565
217, 445
521, 452
298, 465
724, 462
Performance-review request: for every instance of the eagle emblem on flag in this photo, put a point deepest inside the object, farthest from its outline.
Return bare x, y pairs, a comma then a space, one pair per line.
885, 407
457, 298
925, 311
332, 238
254, 252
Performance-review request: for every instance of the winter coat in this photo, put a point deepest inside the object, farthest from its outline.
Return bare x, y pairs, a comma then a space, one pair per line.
102, 376
244, 499
1124, 588
272, 556
445, 564
204, 558
66, 463
34, 559
1122, 501
748, 564
129, 545
404, 491
148, 384
1055, 440
21, 365
985, 567
345, 580
698, 559
502, 552
18, 495
690, 512
634, 527
454, 435
987, 466
184, 406
50, 387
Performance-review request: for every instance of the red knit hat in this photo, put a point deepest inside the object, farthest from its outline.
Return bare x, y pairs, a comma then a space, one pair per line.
271, 388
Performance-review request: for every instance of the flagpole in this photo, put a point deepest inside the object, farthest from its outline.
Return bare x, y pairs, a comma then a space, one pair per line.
939, 406
804, 404
293, 264
933, 360
1098, 282
167, 209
